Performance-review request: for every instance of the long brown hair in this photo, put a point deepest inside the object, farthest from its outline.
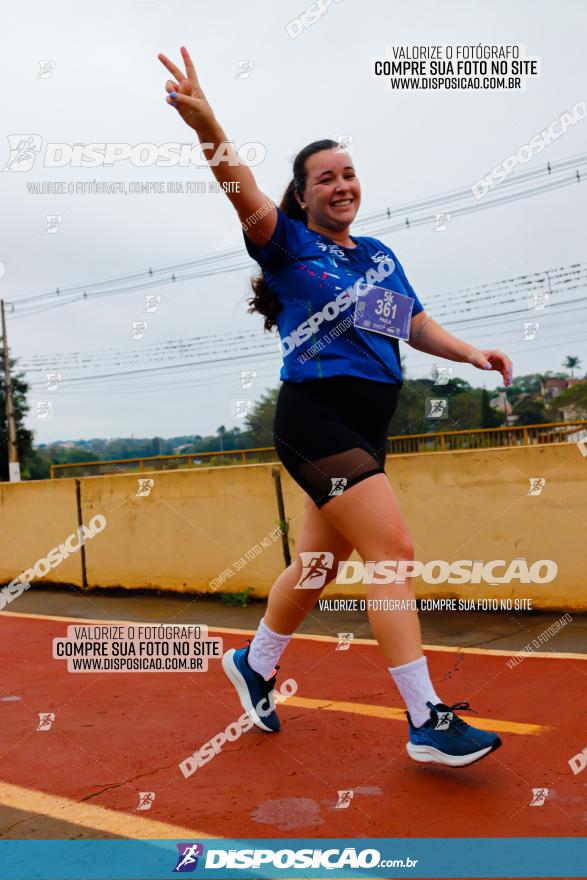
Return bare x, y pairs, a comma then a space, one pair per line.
264, 301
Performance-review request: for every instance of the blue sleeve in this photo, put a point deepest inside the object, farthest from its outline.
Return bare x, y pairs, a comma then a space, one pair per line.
283, 246
418, 307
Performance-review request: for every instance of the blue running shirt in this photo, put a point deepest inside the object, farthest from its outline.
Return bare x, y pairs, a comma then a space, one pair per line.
311, 274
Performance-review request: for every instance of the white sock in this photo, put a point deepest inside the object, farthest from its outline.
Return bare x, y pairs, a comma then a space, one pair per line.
413, 683
266, 649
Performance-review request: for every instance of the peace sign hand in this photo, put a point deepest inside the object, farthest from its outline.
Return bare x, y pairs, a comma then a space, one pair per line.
185, 93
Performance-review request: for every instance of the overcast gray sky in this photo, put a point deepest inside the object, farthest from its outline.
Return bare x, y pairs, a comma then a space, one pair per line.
107, 86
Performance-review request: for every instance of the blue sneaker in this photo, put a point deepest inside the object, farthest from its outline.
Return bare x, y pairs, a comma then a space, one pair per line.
447, 739
255, 694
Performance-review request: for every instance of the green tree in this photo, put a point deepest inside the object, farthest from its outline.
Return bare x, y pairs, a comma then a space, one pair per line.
464, 410
410, 416
531, 383
259, 422
410, 413
39, 465
571, 361
24, 437
530, 411
489, 417
156, 446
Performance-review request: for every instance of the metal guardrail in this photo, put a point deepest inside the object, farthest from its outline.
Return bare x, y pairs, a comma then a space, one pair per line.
484, 438
475, 438
261, 455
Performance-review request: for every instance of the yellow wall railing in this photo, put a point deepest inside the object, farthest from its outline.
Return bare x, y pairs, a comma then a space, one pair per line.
474, 438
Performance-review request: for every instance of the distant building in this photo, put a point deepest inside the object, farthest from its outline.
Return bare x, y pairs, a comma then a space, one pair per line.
178, 450
570, 412
552, 386
499, 401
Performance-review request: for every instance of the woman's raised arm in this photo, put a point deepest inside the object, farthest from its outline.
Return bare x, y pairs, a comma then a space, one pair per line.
256, 211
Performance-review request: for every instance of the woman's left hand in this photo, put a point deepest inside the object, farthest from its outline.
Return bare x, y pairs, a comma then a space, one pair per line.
491, 359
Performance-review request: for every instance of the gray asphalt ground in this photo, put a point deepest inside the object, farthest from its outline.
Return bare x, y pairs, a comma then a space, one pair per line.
507, 630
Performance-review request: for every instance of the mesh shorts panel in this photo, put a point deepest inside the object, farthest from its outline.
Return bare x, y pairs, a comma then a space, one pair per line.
330, 476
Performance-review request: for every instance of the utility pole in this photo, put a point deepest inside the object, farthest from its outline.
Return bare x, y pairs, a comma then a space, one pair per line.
13, 464
506, 405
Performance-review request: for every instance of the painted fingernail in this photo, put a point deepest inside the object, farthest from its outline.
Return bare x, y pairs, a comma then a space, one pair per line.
173, 94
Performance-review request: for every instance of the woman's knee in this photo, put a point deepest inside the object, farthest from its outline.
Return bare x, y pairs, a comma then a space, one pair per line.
325, 560
404, 547
388, 546
339, 557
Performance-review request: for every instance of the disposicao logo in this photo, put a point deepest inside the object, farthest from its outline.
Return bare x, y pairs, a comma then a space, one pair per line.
187, 860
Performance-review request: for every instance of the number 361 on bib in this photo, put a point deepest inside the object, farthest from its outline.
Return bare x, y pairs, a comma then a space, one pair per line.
383, 311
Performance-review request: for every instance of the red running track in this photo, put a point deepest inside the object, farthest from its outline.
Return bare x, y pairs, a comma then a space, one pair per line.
116, 734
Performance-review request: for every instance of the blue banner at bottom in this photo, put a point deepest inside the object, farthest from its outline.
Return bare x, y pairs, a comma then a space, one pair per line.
293, 857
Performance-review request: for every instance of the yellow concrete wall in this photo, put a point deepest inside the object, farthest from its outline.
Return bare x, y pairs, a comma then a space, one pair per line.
34, 517
196, 524
190, 528
475, 505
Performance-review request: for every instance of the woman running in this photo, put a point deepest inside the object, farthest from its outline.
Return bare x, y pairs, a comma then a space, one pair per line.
340, 304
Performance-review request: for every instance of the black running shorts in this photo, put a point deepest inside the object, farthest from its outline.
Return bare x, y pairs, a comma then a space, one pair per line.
332, 433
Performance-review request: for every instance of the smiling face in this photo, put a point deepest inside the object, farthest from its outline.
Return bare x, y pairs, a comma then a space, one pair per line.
332, 193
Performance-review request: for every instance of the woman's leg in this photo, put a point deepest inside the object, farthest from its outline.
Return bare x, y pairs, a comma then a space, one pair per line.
369, 517
288, 606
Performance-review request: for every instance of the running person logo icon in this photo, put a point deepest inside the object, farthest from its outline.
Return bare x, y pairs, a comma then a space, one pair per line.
145, 486
344, 800
338, 485
44, 409
46, 719
46, 68
53, 380
137, 330
152, 303
146, 799
247, 378
443, 721
188, 857
537, 484
314, 571
440, 222
344, 641
539, 795
23, 151
530, 329
538, 301
436, 408
443, 375
53, 223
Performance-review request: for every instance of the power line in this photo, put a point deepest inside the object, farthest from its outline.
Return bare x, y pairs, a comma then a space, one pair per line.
260, 345
175, 368
234, 260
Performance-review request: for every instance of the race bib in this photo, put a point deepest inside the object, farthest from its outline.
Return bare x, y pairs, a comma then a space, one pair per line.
383, 311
